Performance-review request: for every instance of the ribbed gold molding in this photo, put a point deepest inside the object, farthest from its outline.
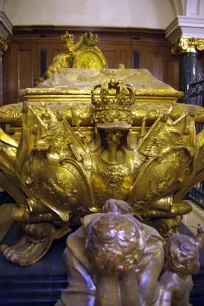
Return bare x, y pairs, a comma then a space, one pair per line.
186, 44
3, 44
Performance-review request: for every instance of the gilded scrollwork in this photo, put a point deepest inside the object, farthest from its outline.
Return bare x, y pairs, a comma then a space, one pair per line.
62, 186
107, 143
188, 44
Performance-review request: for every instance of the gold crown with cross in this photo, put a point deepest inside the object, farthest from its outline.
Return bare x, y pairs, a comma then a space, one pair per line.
68, 38
113, 103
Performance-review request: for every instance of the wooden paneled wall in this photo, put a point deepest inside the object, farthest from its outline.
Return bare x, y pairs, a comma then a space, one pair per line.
136, 48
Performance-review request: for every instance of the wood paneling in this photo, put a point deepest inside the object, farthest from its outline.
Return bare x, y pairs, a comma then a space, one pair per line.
111, 56
173, 71
25, 69
152, 58
20, 69
125, 56
22, 62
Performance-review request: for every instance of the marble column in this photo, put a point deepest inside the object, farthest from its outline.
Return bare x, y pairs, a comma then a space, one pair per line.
3, 47
187, 72
186, 49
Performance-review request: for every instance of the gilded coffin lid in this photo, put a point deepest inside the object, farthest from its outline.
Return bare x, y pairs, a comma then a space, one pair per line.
76, 84
69, 89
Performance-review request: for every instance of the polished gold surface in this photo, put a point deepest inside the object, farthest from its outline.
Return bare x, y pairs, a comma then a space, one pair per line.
71, 158
83, 54
3, 44
186, 44
85, 135
81, 81
114, 259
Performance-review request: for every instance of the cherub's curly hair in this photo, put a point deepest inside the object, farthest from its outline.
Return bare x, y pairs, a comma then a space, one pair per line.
115, 240
180, 252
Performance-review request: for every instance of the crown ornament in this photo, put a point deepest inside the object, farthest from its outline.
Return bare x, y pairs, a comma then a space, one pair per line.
113, 103
90, 39
67, 38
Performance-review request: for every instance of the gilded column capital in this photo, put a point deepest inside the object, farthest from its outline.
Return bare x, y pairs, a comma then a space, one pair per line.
3, 44
187, 44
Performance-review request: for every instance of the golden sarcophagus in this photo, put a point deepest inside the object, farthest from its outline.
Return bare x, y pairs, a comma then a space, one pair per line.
83, 136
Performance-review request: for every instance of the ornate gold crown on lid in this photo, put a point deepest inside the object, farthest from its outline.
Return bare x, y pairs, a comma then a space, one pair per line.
67, 38
113, 101
90, 39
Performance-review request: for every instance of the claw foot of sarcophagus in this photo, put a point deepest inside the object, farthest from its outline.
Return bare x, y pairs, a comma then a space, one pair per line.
33, 245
